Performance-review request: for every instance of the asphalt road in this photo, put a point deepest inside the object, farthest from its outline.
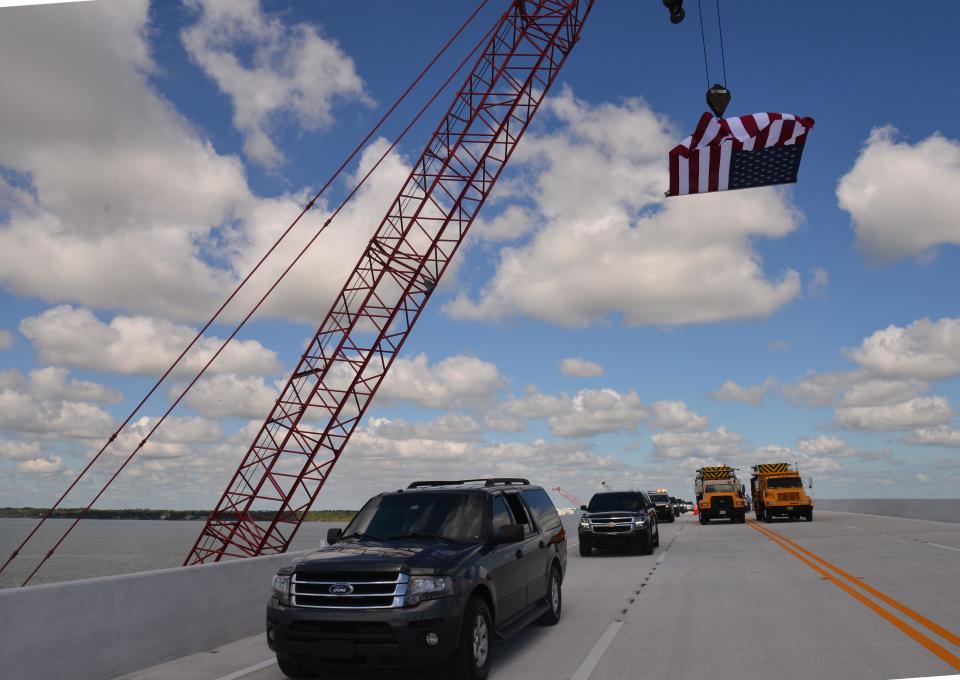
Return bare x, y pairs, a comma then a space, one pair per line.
847, 597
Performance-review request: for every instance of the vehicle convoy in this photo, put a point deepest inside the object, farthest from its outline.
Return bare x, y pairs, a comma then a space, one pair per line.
619, 519
720, 495
677, 504
663, 504
429, 574
778, 491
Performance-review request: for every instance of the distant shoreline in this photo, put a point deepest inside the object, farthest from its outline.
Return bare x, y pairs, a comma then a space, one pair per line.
170, 515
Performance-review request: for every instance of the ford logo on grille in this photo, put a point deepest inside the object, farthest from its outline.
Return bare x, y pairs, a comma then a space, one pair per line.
340, 589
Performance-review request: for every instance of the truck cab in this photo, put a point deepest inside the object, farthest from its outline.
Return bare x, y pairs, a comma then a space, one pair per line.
720, 495
778, 491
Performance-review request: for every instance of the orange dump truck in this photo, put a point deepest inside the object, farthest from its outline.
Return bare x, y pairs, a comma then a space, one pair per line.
719, 494
778, 491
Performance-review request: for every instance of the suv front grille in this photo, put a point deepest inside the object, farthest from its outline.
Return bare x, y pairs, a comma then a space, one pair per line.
355, 591
611, 525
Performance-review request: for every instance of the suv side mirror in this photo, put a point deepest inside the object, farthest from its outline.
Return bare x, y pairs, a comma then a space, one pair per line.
509, 533
333, 535
583, 507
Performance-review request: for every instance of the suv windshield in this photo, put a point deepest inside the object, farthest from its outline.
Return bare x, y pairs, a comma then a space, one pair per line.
446, 516
660, 498
611, 502
784, 483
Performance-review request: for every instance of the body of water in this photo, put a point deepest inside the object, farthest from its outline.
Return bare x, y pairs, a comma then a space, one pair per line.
104, 547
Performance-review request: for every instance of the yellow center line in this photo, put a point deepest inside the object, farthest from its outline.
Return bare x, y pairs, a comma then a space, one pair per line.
930, 645
903, 609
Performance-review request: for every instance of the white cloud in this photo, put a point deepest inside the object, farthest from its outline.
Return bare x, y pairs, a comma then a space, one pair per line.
610, 245
272, 72
818, 284
6, 339
914, 413
593, 412
455, 382
824, 445
902, 197
943, 435
511, 414
924, 350
176, 438
580, 368
51, 383
138, 345
719, 443
674, 416
229, 395
41, 466
46, 403
731, 391
19, 450
449, 426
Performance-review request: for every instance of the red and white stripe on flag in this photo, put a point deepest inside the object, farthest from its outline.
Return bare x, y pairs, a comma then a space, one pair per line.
701, 162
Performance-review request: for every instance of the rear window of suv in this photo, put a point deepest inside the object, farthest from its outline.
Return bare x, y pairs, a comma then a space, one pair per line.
542, 508
611, 502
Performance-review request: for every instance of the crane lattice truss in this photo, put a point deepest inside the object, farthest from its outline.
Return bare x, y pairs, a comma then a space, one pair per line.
336, 378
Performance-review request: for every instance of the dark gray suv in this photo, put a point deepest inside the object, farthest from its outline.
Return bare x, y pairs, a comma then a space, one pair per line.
430, 574
619, 519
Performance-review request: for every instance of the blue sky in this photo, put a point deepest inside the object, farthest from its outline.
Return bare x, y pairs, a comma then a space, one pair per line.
153, 150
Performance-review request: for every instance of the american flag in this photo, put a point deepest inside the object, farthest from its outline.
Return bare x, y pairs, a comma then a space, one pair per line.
738, 153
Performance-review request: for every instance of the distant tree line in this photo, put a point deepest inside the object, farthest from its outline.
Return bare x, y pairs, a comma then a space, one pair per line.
146, 513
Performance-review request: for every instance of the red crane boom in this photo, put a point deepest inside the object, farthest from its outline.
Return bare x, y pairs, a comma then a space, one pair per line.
327, 395
570, 497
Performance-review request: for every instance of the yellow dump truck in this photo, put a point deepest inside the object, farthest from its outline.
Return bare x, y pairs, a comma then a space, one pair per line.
778, 492
719, 494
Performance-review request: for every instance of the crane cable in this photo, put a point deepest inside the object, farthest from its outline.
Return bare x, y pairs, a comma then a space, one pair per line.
246, 318
703, 43
309, 205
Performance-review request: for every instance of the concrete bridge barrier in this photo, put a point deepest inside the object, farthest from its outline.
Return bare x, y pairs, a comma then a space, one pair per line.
104, 627
936, 509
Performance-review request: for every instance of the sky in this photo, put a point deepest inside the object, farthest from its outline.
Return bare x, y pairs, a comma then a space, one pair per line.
589, 330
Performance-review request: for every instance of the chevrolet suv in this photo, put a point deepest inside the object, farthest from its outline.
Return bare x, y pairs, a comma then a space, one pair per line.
618, 519
430, 574
662, 502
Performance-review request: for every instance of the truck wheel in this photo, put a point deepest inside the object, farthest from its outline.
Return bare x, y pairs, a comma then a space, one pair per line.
554, 599
767, 517
759, 514
471, 661
585, 550
809, 515
293, 670
703, 520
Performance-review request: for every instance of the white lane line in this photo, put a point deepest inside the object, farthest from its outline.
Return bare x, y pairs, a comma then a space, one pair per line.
945, 547
249, 669
850, 526
593, 658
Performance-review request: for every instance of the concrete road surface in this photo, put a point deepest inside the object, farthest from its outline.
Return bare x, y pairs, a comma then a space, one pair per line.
846, 597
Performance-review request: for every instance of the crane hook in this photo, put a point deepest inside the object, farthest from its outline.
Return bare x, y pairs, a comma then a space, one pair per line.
718, 97
676, 10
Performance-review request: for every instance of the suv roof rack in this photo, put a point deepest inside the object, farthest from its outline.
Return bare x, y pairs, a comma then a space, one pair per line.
487, 481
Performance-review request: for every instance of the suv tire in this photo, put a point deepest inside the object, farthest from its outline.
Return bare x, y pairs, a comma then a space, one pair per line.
294, 670
585, 550
646, 548
656, 537
471, 661
554, 599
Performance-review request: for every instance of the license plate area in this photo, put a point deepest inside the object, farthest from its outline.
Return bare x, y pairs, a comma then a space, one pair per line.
337, 649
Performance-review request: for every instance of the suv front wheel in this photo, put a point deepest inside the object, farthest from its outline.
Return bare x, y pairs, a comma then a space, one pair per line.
554, 600
471, 661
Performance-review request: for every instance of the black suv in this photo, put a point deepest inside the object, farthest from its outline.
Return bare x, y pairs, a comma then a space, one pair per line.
430, 574
664, 507
618, 519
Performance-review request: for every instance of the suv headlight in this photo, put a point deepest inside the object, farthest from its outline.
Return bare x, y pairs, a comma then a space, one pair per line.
584, 522
281, 588
640, 521
422, 588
